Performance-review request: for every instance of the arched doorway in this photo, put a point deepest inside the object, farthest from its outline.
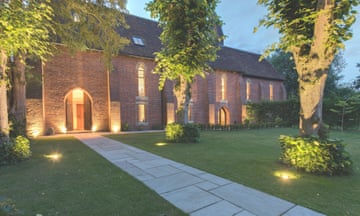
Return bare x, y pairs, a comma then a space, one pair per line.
223, 116
78, 110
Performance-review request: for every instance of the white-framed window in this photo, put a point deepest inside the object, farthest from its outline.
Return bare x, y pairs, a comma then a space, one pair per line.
248, 89
141, 80
271, 91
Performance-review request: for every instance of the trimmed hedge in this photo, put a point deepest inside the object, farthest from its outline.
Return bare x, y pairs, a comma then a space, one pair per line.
188, 133
314, 155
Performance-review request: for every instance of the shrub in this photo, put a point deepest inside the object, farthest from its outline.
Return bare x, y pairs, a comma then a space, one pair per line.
17, 127
315, 155
182, 133
15, 150
7, 207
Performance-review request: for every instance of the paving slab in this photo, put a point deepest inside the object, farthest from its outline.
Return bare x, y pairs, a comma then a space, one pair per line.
192, 190
299, 210
162, 171
214, 179
207, 185
190, 199
172, 182
253, 200
222, 208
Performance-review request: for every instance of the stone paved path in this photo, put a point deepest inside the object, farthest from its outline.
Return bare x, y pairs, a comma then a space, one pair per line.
192, 190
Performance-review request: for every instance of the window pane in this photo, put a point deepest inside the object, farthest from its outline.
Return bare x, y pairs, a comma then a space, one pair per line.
141, 110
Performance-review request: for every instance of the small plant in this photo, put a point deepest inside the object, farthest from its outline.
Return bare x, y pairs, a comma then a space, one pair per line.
15, 150
182, 133
315, 155
8, 208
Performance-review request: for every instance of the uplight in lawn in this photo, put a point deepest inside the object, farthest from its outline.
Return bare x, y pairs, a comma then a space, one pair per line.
54, 156
285, 175
161, 144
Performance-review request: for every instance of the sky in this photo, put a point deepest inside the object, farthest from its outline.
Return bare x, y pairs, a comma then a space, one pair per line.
241, 17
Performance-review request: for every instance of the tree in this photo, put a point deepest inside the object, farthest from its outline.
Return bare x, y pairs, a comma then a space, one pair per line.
24, 29
190, 41
356, 83
91, 24
313, 31
284, 63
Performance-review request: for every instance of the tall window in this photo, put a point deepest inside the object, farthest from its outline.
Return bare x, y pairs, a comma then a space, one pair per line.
271, 91
141, 113
223, 87
141, 80
248, 89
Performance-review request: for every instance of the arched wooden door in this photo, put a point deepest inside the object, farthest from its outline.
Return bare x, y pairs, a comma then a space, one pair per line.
78, 110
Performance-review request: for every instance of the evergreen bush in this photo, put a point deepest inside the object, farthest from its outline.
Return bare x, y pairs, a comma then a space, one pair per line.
182, 133
15, 150
314, 155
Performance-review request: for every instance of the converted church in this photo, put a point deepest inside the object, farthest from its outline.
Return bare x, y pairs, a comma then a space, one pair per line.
78, 94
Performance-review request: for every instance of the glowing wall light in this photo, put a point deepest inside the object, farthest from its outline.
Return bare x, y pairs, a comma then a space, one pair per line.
94, 128
115, 128
35, 132
63, 129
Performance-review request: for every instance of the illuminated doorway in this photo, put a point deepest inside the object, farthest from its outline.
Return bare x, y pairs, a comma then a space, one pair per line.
223, 116
78, 110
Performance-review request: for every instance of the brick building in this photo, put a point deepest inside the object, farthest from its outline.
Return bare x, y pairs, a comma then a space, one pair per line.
78, 93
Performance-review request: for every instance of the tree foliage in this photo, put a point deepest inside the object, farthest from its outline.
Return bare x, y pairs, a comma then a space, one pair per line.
314, 32
90, 25
190, 41
25, 28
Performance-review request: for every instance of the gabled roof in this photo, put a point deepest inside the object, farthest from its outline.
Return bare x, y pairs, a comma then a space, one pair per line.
145, 29
229, 59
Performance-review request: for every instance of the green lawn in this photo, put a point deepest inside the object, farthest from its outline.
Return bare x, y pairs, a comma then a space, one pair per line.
250, 157
80, 183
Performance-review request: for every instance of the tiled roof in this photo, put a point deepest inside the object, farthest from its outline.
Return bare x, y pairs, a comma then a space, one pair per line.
229, 59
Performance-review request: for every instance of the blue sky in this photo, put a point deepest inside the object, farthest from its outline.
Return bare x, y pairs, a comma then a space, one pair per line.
241, 17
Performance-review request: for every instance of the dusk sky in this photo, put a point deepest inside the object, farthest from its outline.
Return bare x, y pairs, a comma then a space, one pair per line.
241, 17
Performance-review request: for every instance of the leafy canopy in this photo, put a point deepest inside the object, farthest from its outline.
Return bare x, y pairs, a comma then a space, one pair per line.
90, 25
295, 21
190, 38
25, 27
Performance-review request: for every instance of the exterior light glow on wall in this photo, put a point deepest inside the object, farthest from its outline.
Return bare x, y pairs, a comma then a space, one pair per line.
94, 128
115, 128
63, 129
35, 133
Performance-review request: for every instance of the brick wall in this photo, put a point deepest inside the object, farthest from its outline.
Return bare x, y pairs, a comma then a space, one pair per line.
66, 72
34, 117
124, 88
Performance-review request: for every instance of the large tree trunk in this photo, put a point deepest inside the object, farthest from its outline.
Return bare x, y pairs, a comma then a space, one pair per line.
182, 92
311, 103
312, 64
4, 121
18, 91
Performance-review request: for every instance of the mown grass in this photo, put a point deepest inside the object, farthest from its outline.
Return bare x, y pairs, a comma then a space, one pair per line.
80, 183
250, 157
